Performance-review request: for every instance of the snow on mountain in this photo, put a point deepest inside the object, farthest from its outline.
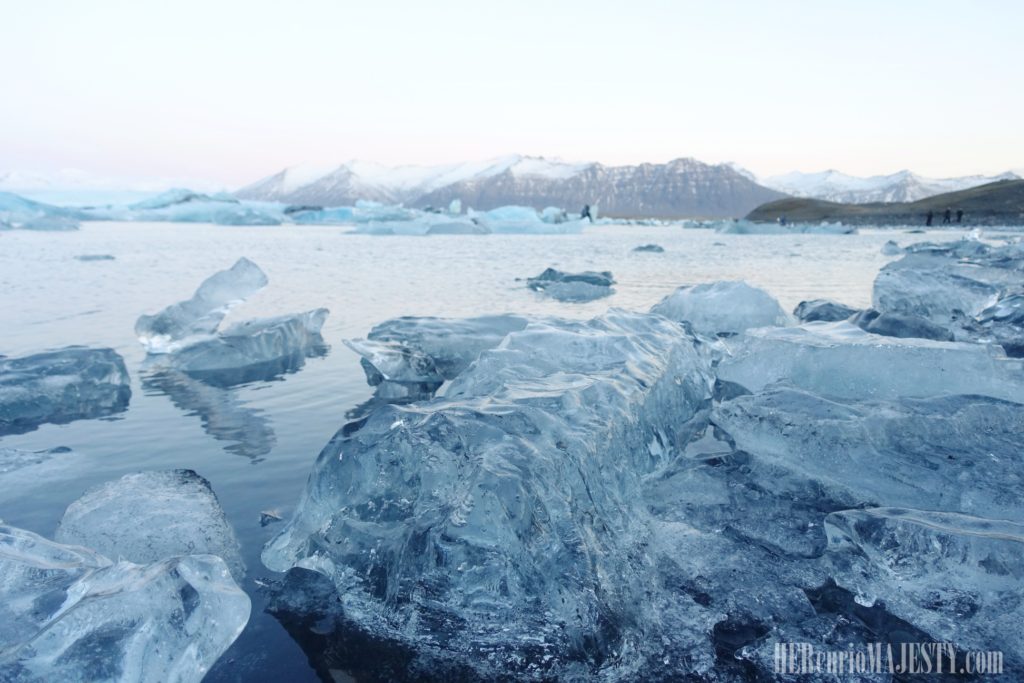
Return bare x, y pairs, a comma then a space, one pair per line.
397, 184
902, 186
75, 187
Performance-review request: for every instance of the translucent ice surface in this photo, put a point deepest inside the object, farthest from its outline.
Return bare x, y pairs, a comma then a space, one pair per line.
150, 516
722, 308
499, 522
178, 324
70, 614
573, 287
841, 360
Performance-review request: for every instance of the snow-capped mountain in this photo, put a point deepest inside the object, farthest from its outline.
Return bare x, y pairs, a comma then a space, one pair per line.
903, 186
684, 187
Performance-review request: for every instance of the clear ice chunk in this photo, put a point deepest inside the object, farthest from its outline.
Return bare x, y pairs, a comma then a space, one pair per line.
72, 383
150, 516
822, 310
254, 344
70, 614
841, 360
179, 324
573, 287
722, 308
499, 522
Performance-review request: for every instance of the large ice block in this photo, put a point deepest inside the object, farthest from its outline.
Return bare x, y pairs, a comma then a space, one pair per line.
574, 287
841, 360
72, 383
500, 522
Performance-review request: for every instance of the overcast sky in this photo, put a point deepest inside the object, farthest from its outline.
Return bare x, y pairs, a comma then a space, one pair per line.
231, 91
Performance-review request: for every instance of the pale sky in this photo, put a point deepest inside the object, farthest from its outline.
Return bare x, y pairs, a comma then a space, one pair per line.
230, 91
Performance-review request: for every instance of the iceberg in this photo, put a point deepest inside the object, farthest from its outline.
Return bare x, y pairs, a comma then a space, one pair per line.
70, 614
890, 248
745, 227
651, 248
186, 206
822, 310
573, 287
179, 324
151, 516
497, 526
249, 347
16, 212
841, 360
94, 257
722, 308
73, 383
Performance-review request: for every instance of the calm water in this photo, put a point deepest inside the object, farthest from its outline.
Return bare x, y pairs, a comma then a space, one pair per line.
256, 443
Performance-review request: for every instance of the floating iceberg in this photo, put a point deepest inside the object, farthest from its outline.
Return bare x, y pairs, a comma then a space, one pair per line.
94, 257
186, 206
19, 213
841, 360
822, 310
254, 344
652, 248
151, 516
573, 287
70, 614
497, 526
179, 324
722, 308
745, 227
890, 248
73, 383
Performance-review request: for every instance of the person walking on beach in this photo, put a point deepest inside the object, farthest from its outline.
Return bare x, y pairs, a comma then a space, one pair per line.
585, 213
959, 216
928, 218
946, 217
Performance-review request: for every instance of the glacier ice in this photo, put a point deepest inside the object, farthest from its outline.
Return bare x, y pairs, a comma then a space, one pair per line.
822, 310
957, 286
891, 248
410, 357
150, 516
497, 524
957, 577
253, 344
651, 248
722, 308
179, 323
573, 287
68, 613
841, 360
953, 453
72, 383
187, 206
745, 227
16, 212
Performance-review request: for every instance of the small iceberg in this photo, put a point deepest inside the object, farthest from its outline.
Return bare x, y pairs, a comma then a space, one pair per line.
573, 287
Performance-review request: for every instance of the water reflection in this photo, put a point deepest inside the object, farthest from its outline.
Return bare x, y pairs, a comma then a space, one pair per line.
213, 396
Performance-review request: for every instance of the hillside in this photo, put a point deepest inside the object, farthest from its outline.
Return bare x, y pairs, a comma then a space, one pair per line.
998, 203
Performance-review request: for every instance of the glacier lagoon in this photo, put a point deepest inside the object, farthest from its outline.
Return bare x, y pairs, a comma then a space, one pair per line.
256, 442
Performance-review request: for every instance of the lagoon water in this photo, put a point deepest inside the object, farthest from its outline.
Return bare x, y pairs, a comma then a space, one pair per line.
256, 443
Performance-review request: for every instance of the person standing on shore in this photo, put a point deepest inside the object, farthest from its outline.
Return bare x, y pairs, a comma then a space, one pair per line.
959, 216
946, 217
928, 218
585, 213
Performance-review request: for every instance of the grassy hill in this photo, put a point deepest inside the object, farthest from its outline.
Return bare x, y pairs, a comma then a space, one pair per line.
999, 203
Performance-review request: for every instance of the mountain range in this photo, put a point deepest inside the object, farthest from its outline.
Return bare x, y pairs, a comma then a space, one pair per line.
679, 188
902, 186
